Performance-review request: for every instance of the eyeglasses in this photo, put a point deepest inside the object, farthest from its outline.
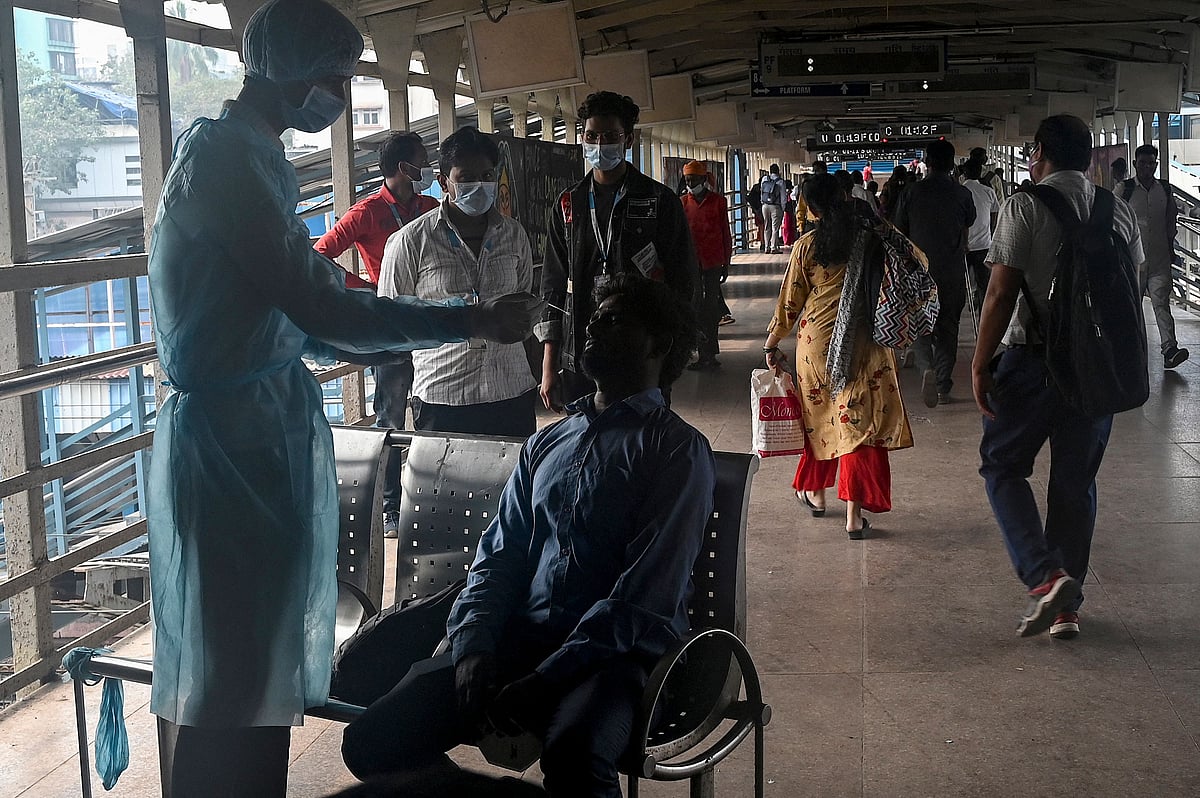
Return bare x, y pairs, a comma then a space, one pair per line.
603, 136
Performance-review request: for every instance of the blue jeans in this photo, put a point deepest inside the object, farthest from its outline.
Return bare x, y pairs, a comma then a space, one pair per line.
1029, 412
392, 384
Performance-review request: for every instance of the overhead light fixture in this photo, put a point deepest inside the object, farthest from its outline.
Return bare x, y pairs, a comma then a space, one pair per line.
908, 34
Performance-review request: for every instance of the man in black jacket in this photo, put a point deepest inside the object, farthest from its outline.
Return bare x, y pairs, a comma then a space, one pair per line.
614, 221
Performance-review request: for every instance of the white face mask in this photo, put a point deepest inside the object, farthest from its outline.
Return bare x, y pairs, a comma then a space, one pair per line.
604, 157
426, 180
696, 190
474, 199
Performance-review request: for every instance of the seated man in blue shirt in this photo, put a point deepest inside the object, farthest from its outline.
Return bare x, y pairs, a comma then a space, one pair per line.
582, 580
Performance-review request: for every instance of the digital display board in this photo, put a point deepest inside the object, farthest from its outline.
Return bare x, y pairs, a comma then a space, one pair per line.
915, 130
789, 62
843, 138
876, 145
971, 77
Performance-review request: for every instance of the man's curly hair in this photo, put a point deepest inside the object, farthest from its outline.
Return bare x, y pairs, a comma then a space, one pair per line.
663, 313
609, 103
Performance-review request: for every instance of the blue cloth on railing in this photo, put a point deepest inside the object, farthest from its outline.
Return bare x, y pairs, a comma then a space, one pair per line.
112, 740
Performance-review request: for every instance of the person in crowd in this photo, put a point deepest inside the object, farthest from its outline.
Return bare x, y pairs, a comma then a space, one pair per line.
1021, 408
936, 214
708, 217
1120, 171
804, 221
774, 193
991, 176
889, 197
1153, 203
405, 167
466, 249
788, 230
614, 220
853, 409
979, 236
754, 200
581, 581
868, 173
859, 191
820, 168
873, 187
243, 517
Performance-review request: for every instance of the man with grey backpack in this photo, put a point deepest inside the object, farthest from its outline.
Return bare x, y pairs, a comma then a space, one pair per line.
774, 196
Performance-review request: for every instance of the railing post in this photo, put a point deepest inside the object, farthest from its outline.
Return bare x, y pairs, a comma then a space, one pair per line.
20, 421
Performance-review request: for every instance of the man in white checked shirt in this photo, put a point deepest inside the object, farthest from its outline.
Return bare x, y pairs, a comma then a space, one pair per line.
466, 249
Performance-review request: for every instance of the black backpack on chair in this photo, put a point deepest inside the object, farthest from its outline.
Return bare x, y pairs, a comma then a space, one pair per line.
1095, 338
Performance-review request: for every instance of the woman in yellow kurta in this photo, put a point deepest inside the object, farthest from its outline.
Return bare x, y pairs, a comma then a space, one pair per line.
847, 384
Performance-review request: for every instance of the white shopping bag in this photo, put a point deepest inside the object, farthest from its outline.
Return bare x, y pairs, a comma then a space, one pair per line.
775, 414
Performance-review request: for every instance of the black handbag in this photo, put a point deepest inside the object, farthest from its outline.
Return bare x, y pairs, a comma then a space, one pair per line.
376, 657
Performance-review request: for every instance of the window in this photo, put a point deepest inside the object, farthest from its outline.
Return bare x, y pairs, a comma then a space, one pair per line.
134, 171
133, 182
62, 63
366, 117
132, 159
60, 31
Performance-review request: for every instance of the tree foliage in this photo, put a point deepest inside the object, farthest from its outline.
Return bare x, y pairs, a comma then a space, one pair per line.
195, 89
56, 130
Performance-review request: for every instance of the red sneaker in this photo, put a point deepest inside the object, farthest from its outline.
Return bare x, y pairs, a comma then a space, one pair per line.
1065, 626
1046, 601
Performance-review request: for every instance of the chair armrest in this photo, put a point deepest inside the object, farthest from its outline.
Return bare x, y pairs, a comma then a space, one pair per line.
747, 714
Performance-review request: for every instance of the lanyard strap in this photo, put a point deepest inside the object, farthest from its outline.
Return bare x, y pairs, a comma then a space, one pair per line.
604, 242
484, 248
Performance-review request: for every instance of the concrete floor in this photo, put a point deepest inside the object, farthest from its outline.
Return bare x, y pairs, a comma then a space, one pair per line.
892, 665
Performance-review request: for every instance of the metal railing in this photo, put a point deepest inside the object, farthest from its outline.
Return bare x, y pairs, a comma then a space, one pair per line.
106, 472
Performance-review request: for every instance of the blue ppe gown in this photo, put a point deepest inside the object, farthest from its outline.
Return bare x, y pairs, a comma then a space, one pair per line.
243, 504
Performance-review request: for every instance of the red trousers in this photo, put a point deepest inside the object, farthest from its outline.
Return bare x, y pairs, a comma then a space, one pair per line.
865, 476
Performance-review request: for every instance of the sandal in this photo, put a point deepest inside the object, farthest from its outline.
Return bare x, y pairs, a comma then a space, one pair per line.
861, 532
817, 512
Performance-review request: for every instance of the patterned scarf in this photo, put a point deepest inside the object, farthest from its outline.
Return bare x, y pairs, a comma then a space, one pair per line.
851, 316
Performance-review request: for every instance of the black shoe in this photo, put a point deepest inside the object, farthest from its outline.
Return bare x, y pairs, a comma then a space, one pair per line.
1174, 357
818, 512
391, 524
861, 532
929, 391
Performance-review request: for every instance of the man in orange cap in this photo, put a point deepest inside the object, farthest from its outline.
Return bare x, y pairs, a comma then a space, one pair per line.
708, 217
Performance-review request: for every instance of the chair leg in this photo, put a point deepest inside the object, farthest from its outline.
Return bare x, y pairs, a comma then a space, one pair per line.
631, 786
704, 785
85, 767
759, 746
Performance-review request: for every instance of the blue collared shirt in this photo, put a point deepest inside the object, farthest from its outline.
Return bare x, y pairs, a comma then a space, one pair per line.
594, 539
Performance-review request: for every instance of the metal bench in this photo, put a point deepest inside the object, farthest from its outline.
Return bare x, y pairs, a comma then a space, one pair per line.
704, 697
702, 700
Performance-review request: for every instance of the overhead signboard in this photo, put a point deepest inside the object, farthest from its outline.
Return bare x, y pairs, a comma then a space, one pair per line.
869, 145
554, 62
625, 70
844, 89
674, 101
787, 63
1149, 87
970, 77
841, 138
915, 130
842, 156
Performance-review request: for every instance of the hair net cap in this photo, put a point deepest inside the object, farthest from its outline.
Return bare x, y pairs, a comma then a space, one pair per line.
289, 40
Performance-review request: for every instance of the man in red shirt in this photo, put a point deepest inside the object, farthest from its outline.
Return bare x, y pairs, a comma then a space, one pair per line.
708, 217
367, 226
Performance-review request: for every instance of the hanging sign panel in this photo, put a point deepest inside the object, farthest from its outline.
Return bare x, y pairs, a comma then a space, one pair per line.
1149, 87
844, 89
789, 63
969, 77
554, 61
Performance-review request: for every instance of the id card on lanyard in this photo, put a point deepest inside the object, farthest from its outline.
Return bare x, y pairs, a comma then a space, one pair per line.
603, 241
473, 297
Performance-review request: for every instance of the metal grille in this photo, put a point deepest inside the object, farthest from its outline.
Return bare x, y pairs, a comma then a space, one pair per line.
451, 488
359, 455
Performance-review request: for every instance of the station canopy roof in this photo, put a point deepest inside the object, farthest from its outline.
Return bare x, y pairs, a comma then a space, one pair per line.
1073, 47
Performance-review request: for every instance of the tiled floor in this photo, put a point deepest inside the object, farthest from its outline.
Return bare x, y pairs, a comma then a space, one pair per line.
892, 664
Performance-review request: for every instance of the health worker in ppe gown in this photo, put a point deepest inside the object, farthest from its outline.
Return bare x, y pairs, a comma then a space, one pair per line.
243, 506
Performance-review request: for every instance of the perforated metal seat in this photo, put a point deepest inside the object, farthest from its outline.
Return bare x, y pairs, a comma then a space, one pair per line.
705, 696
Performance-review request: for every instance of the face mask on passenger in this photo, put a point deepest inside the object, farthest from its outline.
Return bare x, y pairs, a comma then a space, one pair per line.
425, 181
474, 199
604, 157
320, 109
696, 189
